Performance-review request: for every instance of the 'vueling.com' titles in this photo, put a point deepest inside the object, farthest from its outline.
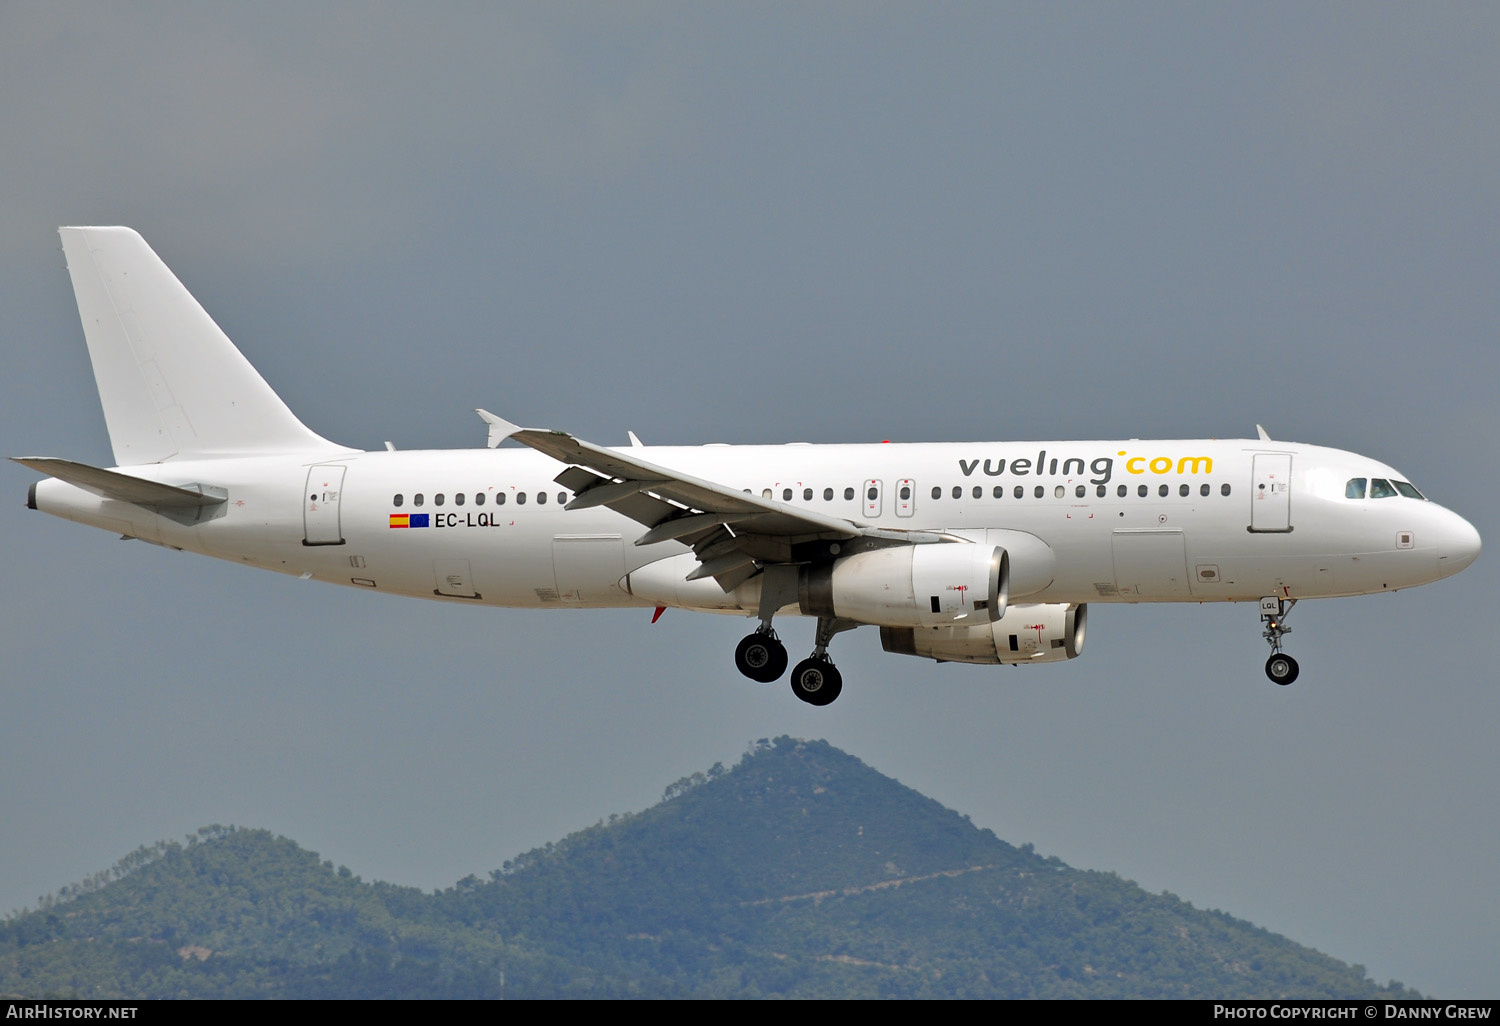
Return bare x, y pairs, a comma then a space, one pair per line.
1102, 467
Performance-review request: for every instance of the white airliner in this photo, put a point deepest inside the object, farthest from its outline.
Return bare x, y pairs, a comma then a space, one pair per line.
977, 552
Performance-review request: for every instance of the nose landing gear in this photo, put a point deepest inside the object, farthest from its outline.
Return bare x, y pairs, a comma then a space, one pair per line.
1280, 667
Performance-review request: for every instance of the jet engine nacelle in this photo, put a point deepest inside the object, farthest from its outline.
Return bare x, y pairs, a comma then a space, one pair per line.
1043, 633
911, 585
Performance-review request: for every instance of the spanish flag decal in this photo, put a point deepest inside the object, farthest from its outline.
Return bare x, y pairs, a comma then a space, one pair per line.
400, 520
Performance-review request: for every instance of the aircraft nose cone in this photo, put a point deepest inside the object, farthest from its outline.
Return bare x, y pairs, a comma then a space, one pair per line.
1459, 546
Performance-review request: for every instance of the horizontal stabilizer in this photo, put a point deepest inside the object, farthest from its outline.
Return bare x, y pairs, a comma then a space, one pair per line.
111, 484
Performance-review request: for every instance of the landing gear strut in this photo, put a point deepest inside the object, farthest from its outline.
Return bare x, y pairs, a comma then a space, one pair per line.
761, 656
1281, 668
815, 679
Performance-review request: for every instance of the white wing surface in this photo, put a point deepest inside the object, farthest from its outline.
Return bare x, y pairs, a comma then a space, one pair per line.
732, 532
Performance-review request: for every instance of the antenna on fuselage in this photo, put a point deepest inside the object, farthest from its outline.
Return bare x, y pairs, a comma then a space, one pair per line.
1262, 433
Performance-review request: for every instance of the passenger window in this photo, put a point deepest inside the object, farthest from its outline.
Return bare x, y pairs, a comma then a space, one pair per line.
499, 498
958, 493
786, 495
1122, 490
1039, 491
562, 498
520, 498
458, 498
937, 492
1020, 492
398, 500
905, 492
765, 493
848, 494
1100, 491
1355, 489
999, 491
1224, 489
873, 493
416, 500
827, 494
1162, 491
479, 498
807, 495
978, 492
437, 500
1183, 490
1141, 491
541, 498
1203, 489
1079, 492
1057, 493
1380, 488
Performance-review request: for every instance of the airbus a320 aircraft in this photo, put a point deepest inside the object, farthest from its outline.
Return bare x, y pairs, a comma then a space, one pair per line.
976, 552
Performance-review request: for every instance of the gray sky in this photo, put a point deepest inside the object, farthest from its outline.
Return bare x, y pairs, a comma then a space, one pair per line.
752, 223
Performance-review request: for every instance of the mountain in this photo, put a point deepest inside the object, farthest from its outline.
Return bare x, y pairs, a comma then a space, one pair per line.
801, 872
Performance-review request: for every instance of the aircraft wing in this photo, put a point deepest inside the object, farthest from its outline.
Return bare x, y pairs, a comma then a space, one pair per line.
733, 532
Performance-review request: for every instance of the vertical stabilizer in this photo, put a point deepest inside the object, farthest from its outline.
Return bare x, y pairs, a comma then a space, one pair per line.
172, 384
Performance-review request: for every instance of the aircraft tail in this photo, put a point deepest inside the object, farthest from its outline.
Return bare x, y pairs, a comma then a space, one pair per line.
172, 384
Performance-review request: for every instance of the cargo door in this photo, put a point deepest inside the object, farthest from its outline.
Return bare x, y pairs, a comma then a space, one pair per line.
1150, 564
588, 567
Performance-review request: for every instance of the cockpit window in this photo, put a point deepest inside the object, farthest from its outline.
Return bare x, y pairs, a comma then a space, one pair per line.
1409, 490
1355, 489
1380, 488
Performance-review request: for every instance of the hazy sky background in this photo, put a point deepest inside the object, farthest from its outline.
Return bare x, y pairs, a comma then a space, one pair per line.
768, 223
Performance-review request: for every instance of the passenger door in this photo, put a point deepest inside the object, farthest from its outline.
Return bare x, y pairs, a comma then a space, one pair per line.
320, 508
1271, 493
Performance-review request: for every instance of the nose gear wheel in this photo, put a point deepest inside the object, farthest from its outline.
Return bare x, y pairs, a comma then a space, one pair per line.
1281, 668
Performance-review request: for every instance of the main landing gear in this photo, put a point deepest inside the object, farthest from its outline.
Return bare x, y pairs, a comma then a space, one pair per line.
761, 656
816, 680
1281, 668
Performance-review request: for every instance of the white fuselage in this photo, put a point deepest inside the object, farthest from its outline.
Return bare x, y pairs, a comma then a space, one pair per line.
1085, 521
981, 552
